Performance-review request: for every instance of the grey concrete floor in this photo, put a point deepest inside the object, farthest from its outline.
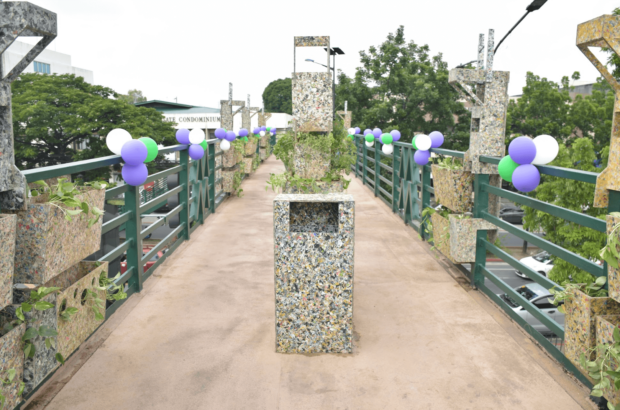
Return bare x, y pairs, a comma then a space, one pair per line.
202, 334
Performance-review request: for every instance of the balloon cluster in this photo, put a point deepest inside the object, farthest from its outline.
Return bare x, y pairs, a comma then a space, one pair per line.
227, 137
524, 153
384, 138
135, 154
196, 140
353, 131
423, 143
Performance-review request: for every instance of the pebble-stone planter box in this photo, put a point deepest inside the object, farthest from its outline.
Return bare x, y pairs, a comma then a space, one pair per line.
580, 323
227, 179
463, 237
8, 228
247, 164
74, 282
11, 357
604, 335
441, 234
453, 188
263, 153
613, 274
47, 244
250, 146
264, 141
229, 158
310, 163
44, 361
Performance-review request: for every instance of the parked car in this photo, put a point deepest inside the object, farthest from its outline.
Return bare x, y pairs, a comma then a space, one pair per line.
541, 298
541, 263
148, 263
511, 214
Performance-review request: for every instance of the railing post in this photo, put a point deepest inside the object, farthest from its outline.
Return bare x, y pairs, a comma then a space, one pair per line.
133, 227
357, 157
481, 204
426, 196
377, 157
395, 178
211, 178
364, 163
184, 194
202, 187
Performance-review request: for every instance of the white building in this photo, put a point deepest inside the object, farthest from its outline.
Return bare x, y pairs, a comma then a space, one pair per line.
48, 62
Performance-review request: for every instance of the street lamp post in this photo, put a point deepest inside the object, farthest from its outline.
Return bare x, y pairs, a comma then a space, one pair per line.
535, 5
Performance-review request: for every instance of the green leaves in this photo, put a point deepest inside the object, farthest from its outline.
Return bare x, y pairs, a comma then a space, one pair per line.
68, 313
43, 305
59, 358
46, 331
30, 334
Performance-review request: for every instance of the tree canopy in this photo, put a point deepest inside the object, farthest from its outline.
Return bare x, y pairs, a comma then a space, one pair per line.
400, 86
132, 97
51, 112
278, 96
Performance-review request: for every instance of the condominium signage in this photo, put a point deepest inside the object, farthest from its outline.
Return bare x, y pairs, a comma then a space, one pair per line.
194, 120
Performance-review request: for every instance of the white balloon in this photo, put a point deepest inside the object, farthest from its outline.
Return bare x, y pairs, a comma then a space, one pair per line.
547, 149
370, 143
116, 139
387, 149
262, 133
351, 131
196, 136
423, 142
225, 145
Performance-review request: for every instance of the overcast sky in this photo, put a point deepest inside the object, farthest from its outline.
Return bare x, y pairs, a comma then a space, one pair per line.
191, 50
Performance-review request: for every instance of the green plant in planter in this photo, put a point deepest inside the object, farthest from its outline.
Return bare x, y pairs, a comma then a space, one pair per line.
595, 290
113, 291
239, 144
237, 177
65, 193
611, 251
451, 163
428, 224
10, 378
277, 182
255, 162
602, 368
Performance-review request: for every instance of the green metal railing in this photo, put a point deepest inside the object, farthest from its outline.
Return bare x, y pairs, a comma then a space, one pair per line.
197, 200
406, 188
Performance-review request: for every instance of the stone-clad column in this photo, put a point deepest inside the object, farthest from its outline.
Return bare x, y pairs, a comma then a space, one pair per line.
17, 19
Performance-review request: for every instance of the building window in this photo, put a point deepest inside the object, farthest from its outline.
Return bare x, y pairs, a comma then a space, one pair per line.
41, 68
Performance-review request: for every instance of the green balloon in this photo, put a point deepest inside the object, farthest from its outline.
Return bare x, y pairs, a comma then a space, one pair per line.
204, 144
151, 147
506, 167
413, 143
245, 139
387, 138
369, 138
268, 129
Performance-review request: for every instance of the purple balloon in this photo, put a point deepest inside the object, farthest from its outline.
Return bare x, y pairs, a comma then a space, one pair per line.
522, 150
134, 152
526, 177
367, 131
135, 175
377, 132
230, 136
256, 131
421, 157
436, 139
263, 128
220, 133
357, 130
243, 132
196, 151
395, 134
183, 136
273, 131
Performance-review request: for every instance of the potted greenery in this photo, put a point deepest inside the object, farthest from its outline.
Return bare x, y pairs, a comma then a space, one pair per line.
60, 227
11, 364
463, 232
437, 228
228, 177
8, 227
611, 252
314, 163
250, 146
582, 304
453, 185
229, 157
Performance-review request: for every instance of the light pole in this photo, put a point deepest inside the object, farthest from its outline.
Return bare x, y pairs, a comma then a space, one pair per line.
332, 51
535, 5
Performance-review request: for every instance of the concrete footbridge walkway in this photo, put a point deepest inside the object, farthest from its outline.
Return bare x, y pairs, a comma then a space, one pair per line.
201, 335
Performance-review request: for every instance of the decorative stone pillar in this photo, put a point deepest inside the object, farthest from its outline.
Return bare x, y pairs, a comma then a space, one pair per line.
314, 250
17, 19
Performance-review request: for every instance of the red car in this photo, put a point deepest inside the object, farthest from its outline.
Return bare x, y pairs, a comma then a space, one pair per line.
148, 263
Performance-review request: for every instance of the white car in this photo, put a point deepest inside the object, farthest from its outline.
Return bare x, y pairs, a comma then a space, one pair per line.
541, 298
541, 263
